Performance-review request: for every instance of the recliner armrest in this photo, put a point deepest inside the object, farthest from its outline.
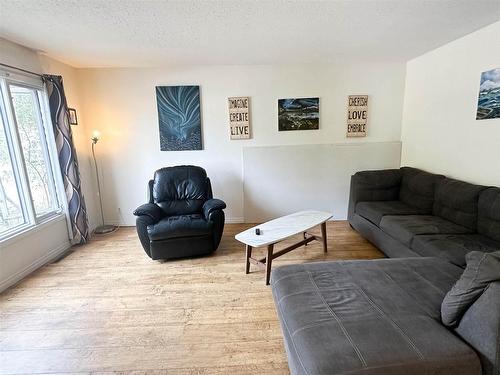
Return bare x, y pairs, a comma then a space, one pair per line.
150, 209
212, 205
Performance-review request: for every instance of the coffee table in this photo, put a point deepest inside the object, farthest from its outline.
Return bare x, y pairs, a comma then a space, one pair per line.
279, 229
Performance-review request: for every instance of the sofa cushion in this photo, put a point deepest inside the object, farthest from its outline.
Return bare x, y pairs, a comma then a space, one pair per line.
381, 185
369, 317
457, 201
418, 188
181, 190
481, 270
374, 211
481, 329
488, 222
452, 247
404, 228
180, 226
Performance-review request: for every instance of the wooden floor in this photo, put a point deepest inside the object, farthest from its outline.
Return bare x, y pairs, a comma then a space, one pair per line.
108, 308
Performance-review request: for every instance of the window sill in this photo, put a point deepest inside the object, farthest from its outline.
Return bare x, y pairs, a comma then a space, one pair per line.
60, 216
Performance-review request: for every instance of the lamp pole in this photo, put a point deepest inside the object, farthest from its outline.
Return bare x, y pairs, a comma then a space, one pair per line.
102, 229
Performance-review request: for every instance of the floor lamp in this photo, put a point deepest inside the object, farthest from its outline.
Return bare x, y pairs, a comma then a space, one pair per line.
102, 229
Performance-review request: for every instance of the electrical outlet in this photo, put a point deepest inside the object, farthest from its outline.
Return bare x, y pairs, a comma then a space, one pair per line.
120, 216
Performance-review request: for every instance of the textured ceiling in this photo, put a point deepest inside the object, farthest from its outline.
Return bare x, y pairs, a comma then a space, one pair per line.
90, 33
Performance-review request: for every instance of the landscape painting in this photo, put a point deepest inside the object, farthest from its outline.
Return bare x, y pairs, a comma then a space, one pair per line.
179, 117
298, 114
488, 104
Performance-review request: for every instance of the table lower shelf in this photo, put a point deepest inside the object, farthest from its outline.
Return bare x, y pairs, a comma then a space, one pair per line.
266, 262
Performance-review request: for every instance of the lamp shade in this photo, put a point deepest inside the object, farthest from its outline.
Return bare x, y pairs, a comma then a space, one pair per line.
95, 136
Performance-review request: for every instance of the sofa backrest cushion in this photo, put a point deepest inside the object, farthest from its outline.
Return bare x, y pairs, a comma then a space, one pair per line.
457, 201
482, 269
379, 185
181, 190
418, 188
488, 219
480, 328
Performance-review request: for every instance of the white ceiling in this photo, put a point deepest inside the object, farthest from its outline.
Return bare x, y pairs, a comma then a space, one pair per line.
98, 33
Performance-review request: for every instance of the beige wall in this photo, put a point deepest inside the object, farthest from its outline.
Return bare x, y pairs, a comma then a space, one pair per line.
440, 131
121, 104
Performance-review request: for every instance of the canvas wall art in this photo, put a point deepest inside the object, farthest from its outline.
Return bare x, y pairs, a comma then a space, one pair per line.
298, 114
488, 103
179, 117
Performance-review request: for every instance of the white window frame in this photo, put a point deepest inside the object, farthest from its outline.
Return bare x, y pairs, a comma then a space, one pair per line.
56, 186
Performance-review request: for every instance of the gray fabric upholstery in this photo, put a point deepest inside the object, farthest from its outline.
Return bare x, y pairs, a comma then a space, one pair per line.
418, 188
482, 269
457, 201
452, 247
391, 247
369, 317
378, 185
374, 211
488, 222
404, 228
480, 327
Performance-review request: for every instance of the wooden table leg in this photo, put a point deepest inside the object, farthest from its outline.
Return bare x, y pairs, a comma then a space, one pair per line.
305, 236
249, 254
269, 261
323, 235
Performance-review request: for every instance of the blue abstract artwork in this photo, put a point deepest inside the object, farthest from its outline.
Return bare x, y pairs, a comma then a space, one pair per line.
488, 103
179, 117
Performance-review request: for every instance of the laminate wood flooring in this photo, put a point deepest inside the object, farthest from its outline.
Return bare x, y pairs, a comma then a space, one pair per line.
108, 308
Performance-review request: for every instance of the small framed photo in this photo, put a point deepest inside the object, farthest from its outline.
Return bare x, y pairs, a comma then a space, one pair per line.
73, 120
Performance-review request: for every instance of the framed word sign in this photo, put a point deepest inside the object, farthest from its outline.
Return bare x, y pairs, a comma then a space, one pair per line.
239, 117
357, 115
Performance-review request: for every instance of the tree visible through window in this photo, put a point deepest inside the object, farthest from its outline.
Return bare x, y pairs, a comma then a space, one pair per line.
27, 187
11, 213
25, 103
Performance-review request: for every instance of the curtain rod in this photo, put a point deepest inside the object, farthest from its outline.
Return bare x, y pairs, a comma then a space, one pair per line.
22, 70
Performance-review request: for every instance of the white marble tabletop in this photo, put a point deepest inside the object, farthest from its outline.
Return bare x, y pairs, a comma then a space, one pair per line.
278, 229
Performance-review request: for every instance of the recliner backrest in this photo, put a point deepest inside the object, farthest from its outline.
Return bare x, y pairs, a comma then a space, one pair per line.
418, 188
181, 190
457, 201
488, 221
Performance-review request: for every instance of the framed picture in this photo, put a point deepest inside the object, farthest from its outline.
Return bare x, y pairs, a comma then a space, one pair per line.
298, 114
73, 120
179, 117
488, 102
357, 115
239, 117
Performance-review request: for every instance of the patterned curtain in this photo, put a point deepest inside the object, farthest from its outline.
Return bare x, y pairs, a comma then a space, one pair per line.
67, 159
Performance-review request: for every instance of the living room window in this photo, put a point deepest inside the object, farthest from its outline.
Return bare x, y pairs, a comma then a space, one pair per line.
28, 184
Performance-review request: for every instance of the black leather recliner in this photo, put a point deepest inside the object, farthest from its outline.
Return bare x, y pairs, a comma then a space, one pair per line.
181, 219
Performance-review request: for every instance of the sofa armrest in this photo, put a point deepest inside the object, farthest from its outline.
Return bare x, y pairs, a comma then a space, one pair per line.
212, 205
480, 328
151, 210
369, 186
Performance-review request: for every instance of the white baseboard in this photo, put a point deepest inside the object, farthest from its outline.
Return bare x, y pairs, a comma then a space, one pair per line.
229, 220
18, 276
234, 220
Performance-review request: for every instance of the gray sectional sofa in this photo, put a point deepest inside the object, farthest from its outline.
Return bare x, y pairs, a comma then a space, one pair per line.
408, 212
384, 316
